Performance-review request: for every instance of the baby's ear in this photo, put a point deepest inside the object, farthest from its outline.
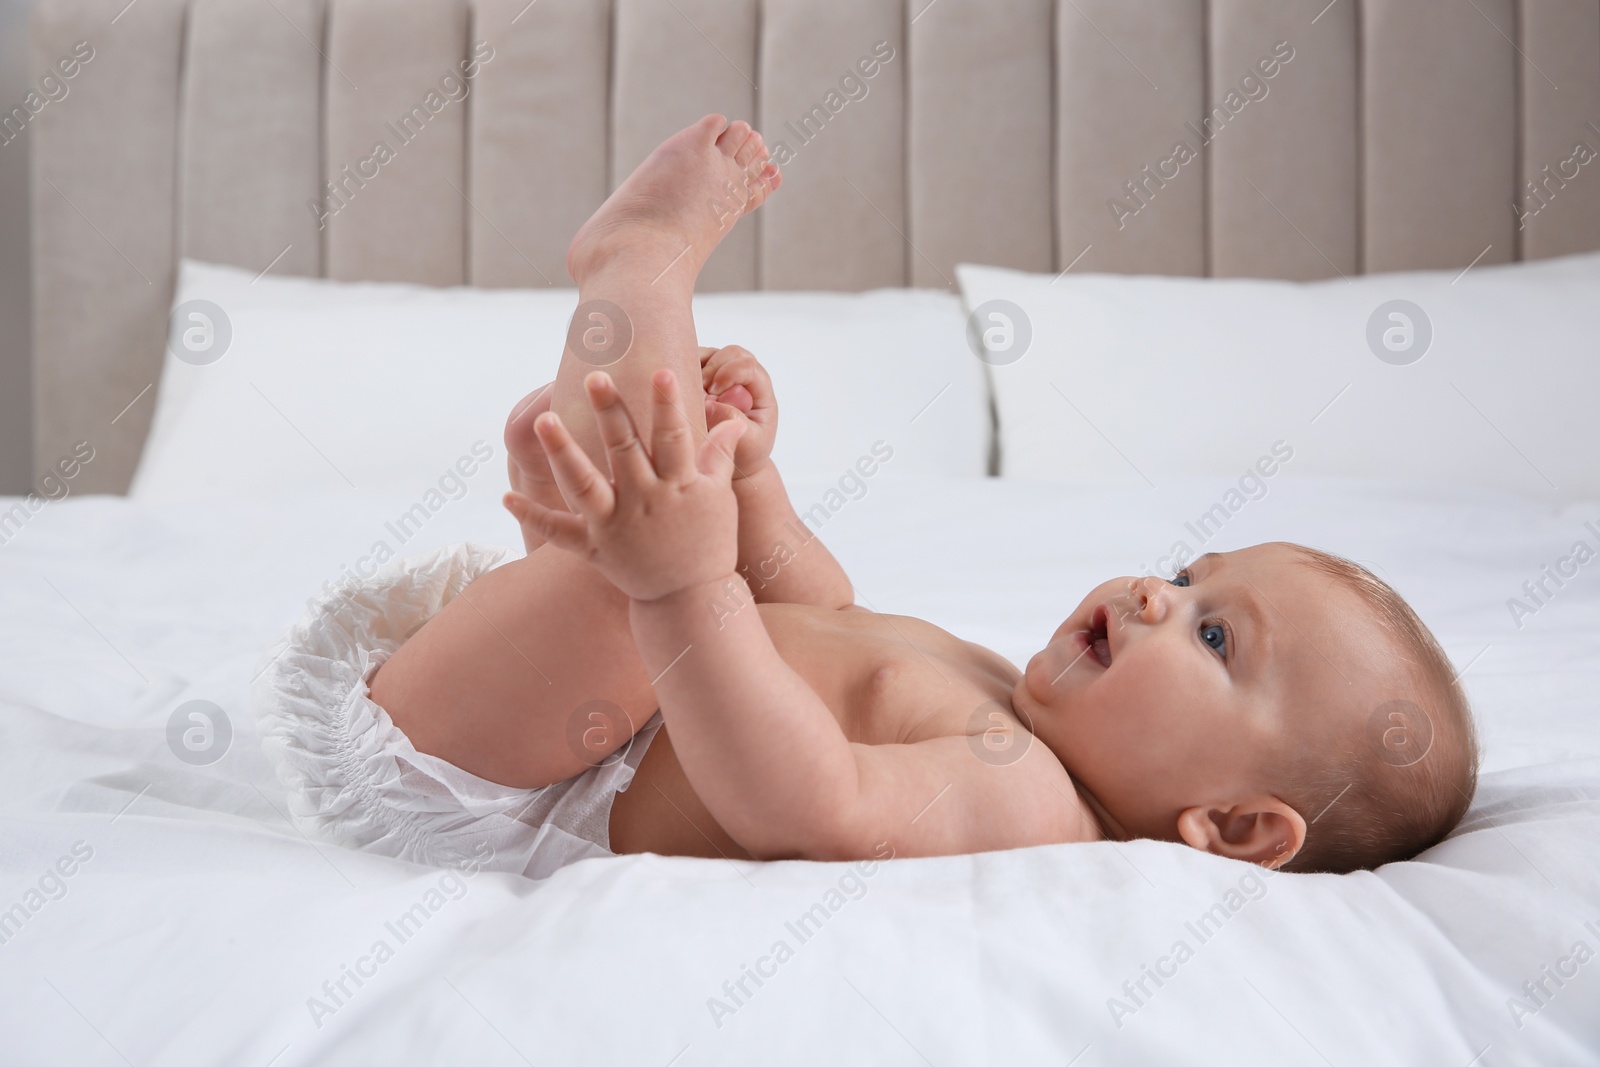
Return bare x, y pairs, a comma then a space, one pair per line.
1260, 829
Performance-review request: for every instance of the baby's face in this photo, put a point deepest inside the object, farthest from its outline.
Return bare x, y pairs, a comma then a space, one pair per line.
1212, 676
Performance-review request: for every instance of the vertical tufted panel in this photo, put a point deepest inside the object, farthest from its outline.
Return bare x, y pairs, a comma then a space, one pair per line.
1129, 82
1559, 212
104, 186
393, 89
248, 173
675, 63
1285, 160
978, 136
840, 220
537, 136
1440, 128
944, 152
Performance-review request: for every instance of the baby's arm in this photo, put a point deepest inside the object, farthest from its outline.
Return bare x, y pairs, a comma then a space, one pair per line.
770, 762
781, 559
761, 748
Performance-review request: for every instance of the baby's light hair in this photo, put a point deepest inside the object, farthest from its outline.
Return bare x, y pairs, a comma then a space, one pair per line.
1406, 779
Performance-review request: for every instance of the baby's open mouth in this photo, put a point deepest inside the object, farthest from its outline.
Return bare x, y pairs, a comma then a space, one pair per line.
1099, 642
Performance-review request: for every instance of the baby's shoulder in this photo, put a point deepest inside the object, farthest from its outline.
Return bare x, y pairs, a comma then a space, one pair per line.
1022, 782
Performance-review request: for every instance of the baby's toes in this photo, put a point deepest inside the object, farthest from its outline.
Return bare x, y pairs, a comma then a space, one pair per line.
734, 137
752, 150
763, 184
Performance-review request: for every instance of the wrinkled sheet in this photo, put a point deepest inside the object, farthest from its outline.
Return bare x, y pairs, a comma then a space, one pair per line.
196, 925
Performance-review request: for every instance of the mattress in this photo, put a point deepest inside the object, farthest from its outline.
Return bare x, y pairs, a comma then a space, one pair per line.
156, 905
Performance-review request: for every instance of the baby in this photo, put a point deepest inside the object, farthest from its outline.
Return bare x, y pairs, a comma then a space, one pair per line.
1275, 704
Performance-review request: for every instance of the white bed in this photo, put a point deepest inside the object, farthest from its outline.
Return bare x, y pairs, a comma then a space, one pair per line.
203, 923
156, 908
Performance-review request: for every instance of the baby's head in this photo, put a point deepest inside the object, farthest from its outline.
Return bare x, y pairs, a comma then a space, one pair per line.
1275, 704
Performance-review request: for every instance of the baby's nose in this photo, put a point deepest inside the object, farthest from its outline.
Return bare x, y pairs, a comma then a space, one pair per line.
1147, 598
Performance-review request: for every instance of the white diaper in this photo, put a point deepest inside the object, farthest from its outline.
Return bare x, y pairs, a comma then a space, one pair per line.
353, 776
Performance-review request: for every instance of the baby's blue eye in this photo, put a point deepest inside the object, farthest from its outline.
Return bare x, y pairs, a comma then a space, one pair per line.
1216, 636
1181, 579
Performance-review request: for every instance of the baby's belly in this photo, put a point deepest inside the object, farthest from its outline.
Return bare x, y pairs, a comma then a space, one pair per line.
660, 811
887, 680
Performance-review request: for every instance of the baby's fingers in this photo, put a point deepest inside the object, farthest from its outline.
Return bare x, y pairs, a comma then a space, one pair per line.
734, 366
716, 454
737, 396
585, 489
670, 446
561, 528
624, 449
718, 412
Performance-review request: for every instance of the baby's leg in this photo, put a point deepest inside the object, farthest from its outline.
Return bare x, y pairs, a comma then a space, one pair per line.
636, 262
528, 468
507, 680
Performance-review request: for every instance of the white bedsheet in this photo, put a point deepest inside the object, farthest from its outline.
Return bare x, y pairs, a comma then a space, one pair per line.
200, 925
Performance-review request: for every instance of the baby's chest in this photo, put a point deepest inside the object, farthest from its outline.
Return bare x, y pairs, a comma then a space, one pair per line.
895, 689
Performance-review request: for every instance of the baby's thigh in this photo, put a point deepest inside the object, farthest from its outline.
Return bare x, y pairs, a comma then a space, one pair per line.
528, 677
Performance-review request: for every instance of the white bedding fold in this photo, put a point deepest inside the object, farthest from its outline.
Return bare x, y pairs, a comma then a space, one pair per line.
203, 928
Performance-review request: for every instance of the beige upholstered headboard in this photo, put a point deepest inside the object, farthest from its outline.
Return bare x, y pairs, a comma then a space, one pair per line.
1281, 138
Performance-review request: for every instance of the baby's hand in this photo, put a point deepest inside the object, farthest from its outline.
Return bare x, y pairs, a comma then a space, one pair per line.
738, 389
670, 520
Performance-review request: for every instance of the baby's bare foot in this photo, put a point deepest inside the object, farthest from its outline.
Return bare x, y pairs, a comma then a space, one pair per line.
681, 201
527, 465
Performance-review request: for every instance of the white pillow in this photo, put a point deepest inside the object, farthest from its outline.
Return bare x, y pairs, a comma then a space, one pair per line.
293, 385
852, 370
1578, 265
1120, 380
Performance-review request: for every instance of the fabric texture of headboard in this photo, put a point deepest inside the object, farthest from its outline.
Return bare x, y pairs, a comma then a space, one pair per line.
449, 142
